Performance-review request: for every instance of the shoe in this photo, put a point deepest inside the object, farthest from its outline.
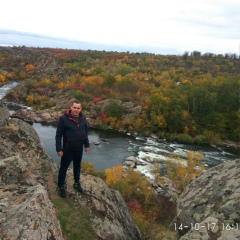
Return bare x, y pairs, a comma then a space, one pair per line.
78, 187
62, 192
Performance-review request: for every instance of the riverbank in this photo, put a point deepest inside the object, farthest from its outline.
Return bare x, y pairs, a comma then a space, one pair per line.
228, 145
52, 116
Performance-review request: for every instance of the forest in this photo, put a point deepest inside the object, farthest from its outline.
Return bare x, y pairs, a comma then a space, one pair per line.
193, 98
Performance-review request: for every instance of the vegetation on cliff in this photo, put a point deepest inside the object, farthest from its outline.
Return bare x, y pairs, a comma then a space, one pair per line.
189, 98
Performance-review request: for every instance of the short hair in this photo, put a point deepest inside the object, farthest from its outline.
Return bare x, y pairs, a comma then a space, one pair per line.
76, 101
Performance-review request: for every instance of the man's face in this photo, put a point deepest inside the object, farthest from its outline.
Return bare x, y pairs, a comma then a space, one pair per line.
76, 109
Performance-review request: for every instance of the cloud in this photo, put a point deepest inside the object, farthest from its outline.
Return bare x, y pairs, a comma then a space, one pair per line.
206, 26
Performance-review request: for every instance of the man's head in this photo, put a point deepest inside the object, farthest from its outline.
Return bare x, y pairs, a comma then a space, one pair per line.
76, 108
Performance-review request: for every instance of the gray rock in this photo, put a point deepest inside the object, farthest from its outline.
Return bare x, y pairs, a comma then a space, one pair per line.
29, 215
4, 115
214, 193
110, 216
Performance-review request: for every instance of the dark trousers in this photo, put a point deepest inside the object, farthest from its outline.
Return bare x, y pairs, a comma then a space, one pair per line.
67, 158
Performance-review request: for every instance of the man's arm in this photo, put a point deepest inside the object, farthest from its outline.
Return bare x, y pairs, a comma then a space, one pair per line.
59, 135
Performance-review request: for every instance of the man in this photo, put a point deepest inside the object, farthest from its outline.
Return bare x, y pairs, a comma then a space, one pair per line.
71, 137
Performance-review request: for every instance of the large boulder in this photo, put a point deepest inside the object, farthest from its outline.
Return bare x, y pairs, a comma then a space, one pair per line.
209, 206
11, 96
26, 211
109, 214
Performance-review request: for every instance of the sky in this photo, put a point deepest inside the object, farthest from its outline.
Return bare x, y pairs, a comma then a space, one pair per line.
154, 26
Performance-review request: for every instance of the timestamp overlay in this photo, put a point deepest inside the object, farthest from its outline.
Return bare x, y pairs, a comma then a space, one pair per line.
208, 226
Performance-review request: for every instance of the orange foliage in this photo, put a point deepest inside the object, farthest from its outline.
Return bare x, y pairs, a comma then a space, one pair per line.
30, 67
113, 175
46, 80
87, 72
60, 85
95, 80
185, 114
135, 186
2, 78
112, 121
118, 78
185, 81
30, 99
9, 76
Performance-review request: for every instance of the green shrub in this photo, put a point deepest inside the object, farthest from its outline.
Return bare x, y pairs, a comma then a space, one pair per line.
114, 109
184, 138
79, 95
200, 139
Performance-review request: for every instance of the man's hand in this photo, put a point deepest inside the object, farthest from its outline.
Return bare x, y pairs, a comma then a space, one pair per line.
86, 150
60, 153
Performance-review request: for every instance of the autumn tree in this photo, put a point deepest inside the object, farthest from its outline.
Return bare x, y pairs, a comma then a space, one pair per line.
30, 99
180, 171
113, 175
9, 76
2, 78
30, 67
135, 186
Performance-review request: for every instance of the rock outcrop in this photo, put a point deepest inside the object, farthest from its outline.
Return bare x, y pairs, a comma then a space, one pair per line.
26, 209
110, 217
44, 62
4, 115
209, 206
62, 103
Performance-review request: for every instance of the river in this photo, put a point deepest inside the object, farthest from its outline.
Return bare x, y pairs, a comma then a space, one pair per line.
114, 147
5, 88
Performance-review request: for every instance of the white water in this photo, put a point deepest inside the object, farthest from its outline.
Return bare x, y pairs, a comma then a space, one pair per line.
6, 87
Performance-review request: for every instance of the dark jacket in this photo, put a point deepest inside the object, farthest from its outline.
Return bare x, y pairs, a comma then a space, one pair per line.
70, 135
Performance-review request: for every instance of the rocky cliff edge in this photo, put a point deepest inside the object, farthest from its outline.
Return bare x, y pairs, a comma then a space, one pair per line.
27, 177
209, 207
